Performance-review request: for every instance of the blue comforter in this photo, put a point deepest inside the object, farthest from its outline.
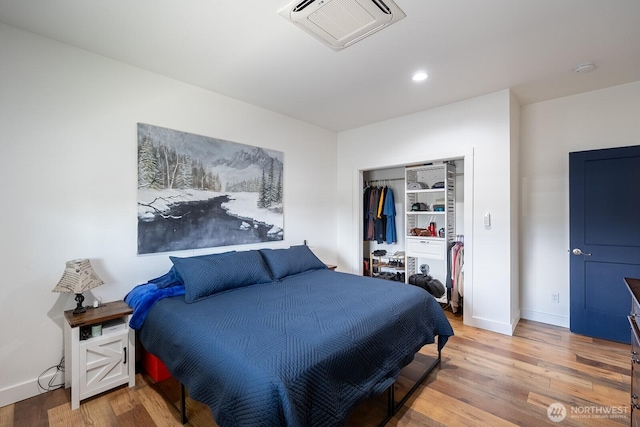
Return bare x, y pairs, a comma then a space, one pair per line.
302, 351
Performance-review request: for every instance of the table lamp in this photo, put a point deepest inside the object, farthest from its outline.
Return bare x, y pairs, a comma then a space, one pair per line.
78, 276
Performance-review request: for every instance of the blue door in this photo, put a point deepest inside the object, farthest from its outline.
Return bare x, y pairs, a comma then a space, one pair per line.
604, 212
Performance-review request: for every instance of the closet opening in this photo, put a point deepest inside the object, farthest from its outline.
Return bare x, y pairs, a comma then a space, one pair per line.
413, 227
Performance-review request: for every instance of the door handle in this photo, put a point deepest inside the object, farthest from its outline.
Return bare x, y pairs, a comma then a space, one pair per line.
578, 251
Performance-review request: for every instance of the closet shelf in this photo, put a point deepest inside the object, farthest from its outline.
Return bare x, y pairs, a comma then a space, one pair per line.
425, 237
425, 212
427, 190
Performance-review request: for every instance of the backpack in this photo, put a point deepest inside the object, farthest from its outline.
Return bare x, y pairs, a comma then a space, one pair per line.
428, 283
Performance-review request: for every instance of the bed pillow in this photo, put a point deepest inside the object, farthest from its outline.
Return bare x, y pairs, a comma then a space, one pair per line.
294, 260
206, 275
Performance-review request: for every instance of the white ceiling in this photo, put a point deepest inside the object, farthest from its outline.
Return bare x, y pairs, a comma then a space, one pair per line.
245, 50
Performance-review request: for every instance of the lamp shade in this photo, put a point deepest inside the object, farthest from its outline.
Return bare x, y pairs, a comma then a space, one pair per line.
78, 276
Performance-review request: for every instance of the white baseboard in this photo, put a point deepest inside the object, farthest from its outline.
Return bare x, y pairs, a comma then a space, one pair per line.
490, 325
515, 320
548, 318
25, 390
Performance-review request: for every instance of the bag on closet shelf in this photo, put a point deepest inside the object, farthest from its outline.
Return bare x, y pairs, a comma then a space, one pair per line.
421, 232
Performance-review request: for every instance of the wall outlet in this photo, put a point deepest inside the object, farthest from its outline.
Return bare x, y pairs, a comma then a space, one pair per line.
555, 298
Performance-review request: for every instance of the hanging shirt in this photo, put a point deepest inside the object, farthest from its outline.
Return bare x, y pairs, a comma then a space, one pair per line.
383, 194
379, 222
367, 231
371, 212
389, 211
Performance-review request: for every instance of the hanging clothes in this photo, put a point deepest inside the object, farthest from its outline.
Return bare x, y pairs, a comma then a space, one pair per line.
389, 212
379, 229
371, 201
383, 192
367, 222
455, 273
379, 221
379, 215
458, 281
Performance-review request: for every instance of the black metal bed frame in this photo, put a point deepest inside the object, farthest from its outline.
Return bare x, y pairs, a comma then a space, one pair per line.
392, 407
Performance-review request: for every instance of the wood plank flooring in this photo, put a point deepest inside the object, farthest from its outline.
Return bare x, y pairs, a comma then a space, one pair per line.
484, 379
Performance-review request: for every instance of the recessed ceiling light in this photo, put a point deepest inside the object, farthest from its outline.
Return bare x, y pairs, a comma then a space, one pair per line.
420, 76
587, 67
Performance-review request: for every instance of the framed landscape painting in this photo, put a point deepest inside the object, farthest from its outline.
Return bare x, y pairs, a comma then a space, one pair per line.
200, 192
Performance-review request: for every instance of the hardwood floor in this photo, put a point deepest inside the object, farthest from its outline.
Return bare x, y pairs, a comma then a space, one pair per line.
484, 379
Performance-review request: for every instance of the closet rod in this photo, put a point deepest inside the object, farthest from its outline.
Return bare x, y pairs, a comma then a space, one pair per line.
384, 179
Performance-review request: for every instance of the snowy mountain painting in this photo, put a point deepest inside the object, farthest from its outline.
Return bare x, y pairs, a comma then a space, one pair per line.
200, 192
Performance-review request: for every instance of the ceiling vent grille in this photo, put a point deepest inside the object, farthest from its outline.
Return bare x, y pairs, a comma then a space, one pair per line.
341, 23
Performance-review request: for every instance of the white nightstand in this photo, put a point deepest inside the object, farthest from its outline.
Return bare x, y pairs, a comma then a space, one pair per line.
97, 364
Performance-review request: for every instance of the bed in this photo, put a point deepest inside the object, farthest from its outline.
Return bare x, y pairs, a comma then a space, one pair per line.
272, 337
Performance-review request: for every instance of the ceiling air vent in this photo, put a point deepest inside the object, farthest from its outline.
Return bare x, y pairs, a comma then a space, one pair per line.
341, 23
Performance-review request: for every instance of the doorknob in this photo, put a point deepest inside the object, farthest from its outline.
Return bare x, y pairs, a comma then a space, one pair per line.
578, 251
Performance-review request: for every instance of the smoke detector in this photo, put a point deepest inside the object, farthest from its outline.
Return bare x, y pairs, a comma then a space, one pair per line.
341, 23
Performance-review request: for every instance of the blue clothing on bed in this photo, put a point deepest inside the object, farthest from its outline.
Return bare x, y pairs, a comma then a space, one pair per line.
171, 278
142, 297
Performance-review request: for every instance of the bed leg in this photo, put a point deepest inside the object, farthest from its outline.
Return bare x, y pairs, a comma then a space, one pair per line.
183, 404
391, 409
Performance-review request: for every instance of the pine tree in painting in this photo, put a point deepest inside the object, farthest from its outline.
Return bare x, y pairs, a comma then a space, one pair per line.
147, 165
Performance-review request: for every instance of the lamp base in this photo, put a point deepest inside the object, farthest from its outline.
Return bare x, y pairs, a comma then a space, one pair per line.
79, 308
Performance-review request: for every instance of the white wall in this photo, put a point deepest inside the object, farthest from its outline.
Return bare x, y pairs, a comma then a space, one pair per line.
479, 130
68, 174
550, 131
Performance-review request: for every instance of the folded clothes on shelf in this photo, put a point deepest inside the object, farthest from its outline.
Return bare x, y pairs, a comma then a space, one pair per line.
417, 186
